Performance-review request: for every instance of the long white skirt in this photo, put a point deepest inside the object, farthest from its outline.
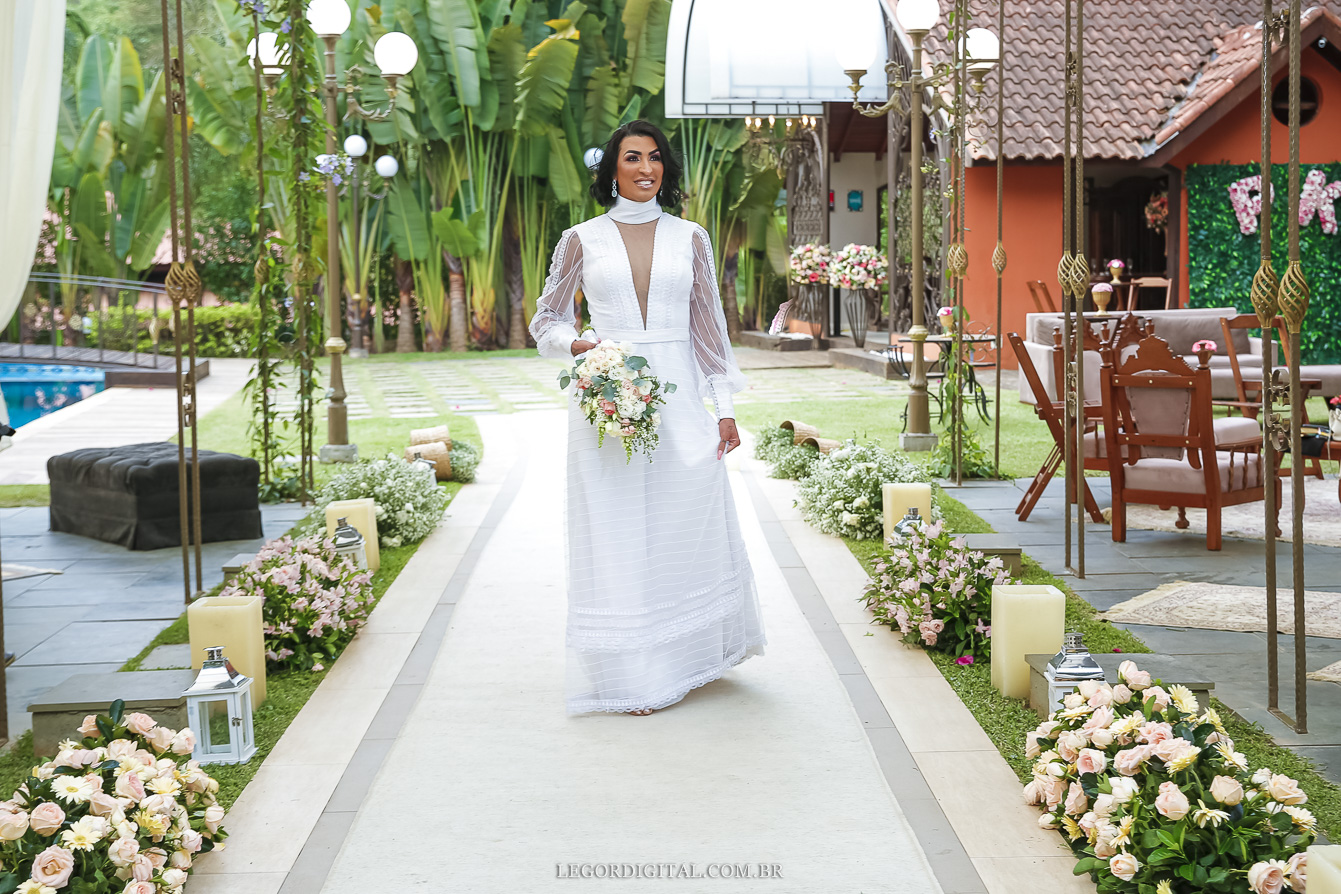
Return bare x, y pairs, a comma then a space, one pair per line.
661, 598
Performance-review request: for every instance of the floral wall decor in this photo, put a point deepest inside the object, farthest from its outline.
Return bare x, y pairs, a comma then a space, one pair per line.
1316, 197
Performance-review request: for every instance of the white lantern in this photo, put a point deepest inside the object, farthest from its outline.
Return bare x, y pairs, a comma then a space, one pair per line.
983, 50
218, 710
355, 145
427, 467
387, 166
349, 542
395, 54
592, 157
329, 18
918, 15
1069, 668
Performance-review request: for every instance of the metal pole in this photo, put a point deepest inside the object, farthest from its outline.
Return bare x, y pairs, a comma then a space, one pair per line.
356, 325
1080, 283
918, 437
1065, 388
999, 255
337, 447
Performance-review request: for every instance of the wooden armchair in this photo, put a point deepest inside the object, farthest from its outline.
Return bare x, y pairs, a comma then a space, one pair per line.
1158, 418
1038, 290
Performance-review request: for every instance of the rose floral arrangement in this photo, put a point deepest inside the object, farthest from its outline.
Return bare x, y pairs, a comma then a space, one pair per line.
1157, 212
408, 505
1149, 792
124, 811
842, 493
858, 267
937, 592
618, 395
809, 263
313, 600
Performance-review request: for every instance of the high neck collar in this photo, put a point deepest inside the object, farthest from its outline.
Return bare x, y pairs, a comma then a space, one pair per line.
631, 212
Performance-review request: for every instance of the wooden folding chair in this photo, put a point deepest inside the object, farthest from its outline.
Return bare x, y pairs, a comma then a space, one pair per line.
1038, 289
1150, 282
1158, 418
1050, 412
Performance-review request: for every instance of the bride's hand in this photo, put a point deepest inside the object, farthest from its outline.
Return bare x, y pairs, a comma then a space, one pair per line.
726, 428
581, 346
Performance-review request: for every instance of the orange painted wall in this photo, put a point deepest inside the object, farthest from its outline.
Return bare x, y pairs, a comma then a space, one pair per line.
1031, 235
1237, 137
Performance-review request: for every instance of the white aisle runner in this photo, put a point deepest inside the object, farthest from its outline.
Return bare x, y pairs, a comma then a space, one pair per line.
492, 787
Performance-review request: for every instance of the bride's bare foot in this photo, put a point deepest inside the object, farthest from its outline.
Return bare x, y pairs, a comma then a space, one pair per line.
644, 712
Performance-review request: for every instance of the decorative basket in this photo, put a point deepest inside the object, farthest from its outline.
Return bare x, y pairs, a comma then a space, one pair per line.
433, 435
439, 453
823, 445
800, 430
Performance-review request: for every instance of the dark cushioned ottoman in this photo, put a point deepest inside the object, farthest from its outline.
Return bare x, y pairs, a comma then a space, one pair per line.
128, 495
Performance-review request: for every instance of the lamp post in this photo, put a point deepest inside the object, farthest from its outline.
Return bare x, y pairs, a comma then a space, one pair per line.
395, 54
917, 18
356, 147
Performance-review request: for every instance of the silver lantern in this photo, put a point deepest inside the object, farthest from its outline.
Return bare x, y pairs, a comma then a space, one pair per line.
218, 710
1071, 666
349, 542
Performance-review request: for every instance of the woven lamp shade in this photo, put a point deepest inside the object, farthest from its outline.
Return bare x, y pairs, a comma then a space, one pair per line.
800, 430
438, 453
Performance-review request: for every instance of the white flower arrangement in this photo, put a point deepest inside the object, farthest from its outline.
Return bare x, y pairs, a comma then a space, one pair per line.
809, 264
408, 505
858, 267
842, 493
1150, 794
618, 395
124, 810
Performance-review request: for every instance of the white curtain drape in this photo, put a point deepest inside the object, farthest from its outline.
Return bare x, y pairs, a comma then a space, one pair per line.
32, 42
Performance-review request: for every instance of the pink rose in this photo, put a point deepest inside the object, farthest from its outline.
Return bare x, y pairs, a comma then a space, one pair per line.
1104, 848
174, 878
1091, 761
123, 851
1296, 869
1069, 744
1033, 793
140, 724
142, 869
191, 841
214, 815
160, 737
53, 866
1076, 802
102, 804
1121, 694
13, 826
158, 858
180, 860
1054, 793
1124, 866
1101, 698
1124, 789
1171, 802
120, 749
1154, 733
1161, 697
46, 818
1102, 717
1285, 790
1134, 678
1102, 738
1103, 806
1128, 761
90, 725
140, 886
1168, 748
1267, 877
1227, 790
129, 785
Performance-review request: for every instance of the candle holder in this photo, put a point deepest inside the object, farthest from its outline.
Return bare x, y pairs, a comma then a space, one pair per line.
1072, 665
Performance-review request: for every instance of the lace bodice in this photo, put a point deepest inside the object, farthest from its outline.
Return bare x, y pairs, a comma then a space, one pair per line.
682, 294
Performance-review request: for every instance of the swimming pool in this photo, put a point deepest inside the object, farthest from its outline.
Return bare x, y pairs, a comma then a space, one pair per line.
33, 390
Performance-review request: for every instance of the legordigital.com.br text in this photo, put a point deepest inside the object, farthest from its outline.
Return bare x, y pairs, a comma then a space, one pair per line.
668, 870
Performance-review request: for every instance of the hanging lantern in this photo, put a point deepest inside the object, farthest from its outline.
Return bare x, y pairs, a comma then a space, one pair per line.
349, 542
1071, 665
425, 466
218, 709
909, 523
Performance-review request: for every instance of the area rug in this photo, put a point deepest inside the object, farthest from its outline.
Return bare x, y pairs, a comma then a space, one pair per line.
1210, 606
1322, 516
17, 572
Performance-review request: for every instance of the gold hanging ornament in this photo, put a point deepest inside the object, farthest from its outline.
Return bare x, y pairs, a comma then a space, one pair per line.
1264, 297
999, 259
956, 260
1293, 296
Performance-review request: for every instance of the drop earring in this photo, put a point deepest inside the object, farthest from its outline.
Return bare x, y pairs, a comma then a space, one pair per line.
614, 189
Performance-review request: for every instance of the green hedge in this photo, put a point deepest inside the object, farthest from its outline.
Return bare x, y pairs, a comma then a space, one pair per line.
225, 330
1222, 260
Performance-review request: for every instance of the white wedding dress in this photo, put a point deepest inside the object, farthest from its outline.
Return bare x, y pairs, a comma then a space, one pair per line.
661, 598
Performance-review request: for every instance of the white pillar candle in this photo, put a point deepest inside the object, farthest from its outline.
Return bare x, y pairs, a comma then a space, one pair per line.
234, 622
362, 515
1027, 619
897, 499
1324, 869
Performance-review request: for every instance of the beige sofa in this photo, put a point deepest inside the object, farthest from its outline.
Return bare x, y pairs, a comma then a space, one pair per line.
1180, 328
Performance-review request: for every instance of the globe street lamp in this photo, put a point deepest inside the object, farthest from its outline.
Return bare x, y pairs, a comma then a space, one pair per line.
917, 18
356, 147
396, 54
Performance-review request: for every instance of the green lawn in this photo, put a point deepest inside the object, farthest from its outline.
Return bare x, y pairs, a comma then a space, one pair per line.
13, 495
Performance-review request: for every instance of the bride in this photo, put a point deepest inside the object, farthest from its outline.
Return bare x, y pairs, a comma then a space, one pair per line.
661, 597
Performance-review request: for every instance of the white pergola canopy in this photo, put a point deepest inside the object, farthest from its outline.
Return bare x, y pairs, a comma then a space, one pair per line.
733, 58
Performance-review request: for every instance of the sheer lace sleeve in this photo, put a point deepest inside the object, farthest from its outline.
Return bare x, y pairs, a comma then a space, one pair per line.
707, 329
554, 323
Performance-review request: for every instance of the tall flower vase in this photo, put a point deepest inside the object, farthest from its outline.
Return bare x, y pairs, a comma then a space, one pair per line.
807, 310
855, 302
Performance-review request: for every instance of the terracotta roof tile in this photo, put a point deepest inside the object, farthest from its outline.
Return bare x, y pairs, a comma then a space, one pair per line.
1151, 67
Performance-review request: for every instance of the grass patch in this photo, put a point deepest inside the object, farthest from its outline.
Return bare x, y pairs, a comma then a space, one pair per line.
174, 634
15, 495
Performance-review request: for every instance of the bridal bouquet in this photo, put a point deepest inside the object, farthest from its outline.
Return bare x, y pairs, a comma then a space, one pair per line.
618, 395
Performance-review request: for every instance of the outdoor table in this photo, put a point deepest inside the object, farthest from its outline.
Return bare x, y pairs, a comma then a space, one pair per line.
946, 340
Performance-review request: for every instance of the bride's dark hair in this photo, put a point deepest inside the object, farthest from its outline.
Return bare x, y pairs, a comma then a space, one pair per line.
669, 195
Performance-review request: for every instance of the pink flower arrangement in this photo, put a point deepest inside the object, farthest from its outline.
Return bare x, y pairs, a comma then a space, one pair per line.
858, 267
1151, 795
1205, 345
125, 809
313, 600
1116, 263
937, 593
809, 264
1245, 196
1157, 212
